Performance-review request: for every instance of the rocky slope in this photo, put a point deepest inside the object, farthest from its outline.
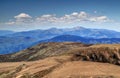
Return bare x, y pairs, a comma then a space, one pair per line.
99, 53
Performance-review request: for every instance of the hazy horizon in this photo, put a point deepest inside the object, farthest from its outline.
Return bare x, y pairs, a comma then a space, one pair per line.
58, 28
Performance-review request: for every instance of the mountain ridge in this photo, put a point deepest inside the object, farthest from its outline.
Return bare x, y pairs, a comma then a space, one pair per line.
74, 38
21, 40
79, 30
6, 32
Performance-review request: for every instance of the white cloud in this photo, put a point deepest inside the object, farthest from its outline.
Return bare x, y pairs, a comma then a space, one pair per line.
75, 17
46, 19
23, 18
102, 18
22, 15
99, 19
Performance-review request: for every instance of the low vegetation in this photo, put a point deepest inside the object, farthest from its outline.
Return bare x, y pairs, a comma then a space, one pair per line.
48, 60
98, 54
107, 53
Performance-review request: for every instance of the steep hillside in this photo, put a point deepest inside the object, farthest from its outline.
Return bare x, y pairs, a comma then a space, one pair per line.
98, 54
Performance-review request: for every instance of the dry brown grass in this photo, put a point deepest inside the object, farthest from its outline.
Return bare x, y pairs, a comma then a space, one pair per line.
62, 67
64, 60
41, 51
97, 54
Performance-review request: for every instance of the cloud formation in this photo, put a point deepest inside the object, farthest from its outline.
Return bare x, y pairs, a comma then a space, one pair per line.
22, 18
75, 17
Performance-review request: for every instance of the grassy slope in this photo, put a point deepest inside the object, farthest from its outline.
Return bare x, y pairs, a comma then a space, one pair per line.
108, 53
64, 60
41, 51
59, 67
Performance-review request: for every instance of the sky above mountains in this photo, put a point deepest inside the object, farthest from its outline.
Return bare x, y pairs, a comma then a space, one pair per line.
22, 15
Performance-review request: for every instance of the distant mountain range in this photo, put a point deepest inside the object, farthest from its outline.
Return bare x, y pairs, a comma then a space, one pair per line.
5, 32
73, 38
78, 31
15, 41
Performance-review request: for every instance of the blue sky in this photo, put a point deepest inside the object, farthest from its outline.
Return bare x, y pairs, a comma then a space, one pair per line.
22, 15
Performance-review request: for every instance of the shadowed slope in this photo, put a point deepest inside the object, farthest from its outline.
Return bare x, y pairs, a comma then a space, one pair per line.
41, 51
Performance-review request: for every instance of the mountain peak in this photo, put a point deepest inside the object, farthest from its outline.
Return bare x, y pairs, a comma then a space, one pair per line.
78, 27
